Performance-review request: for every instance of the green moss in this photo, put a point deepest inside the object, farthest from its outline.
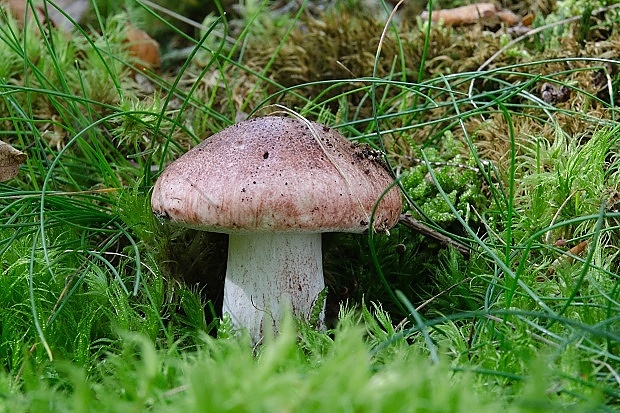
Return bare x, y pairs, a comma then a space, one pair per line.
455, 175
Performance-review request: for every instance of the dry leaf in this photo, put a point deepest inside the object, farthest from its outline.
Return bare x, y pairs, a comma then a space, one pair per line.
528, 20
471, 14
143, 47
10, 159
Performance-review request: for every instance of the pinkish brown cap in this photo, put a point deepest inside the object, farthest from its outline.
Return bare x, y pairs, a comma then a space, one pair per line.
274, 174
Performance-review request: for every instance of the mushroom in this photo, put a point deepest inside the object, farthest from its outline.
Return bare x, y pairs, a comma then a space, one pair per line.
274, 184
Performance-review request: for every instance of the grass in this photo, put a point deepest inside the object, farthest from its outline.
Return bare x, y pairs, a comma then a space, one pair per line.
281, 376
103, 308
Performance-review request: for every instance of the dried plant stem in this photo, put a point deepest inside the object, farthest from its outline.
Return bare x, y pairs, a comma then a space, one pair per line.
410, 222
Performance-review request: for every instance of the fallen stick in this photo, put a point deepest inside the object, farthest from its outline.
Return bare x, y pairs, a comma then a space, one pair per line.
470, 14
410, 222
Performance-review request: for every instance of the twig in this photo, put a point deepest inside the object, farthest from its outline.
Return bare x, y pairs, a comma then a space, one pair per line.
557, 214
613, 372
410, 222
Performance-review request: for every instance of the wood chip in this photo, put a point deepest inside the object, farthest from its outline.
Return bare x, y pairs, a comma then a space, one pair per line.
472, 14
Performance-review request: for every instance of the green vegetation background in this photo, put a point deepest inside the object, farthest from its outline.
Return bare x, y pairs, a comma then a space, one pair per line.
103, 308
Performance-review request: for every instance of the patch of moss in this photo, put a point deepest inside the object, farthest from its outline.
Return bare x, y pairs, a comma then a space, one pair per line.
456, 175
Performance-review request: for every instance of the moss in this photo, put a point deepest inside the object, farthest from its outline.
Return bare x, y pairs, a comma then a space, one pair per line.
458, 178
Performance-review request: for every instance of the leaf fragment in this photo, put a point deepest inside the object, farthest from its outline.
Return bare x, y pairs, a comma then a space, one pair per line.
10, 159
143, 47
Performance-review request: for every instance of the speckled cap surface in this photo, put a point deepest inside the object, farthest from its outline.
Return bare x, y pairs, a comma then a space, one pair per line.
277, 174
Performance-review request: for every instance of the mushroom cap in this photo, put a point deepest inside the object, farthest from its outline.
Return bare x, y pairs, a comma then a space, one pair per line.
277, 174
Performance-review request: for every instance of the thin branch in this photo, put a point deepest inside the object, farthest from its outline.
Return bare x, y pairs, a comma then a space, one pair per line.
410, 222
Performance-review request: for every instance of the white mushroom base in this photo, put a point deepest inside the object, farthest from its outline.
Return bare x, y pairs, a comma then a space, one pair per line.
269, 274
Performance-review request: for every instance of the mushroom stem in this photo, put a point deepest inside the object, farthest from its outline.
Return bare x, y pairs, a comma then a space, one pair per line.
268, 274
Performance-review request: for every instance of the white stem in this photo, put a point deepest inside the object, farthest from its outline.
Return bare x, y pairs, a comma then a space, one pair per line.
269, 274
